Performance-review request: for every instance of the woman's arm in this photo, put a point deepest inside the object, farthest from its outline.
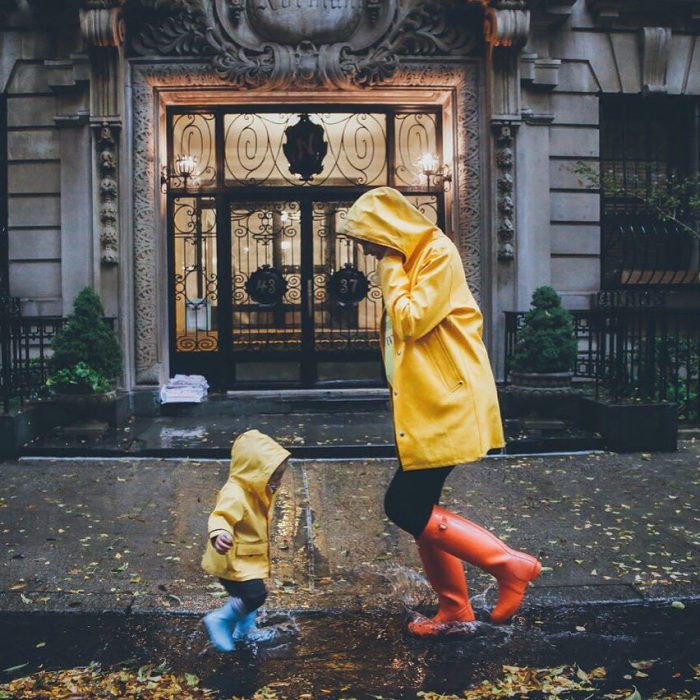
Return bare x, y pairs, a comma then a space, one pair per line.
416, 310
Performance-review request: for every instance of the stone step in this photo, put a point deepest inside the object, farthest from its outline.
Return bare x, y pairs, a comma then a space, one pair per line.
247, 403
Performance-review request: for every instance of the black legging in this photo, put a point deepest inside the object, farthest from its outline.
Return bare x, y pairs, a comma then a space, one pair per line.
411, 495
253, 593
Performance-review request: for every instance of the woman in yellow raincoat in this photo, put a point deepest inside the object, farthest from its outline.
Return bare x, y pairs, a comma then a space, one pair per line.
444, 400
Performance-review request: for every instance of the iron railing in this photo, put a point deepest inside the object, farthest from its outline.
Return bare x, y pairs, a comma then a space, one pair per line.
634, 353
643, 253
25, 350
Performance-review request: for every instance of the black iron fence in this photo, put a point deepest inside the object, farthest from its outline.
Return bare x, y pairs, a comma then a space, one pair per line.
25, 349
643, 253
634, 353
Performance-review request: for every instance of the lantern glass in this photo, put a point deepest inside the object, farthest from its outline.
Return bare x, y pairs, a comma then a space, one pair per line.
429, 163
185, 165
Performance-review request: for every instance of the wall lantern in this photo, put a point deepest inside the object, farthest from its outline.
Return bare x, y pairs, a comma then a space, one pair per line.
181, 175
434, 173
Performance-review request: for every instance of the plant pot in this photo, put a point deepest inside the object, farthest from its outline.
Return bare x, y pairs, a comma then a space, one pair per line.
633, 427
110, 407
545, 394
542, 383
86, 399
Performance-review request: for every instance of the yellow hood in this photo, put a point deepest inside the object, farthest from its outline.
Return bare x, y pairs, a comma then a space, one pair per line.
254, 457
384, 216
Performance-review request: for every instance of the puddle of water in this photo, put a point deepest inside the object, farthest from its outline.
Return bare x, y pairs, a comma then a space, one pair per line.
176, 437
272, 631
360, 655
411, 590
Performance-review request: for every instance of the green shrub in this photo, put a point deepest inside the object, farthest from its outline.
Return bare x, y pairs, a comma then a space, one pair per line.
545, 342
87, 338
79, 379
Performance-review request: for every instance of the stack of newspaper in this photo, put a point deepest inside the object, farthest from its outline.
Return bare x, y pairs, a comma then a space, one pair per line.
185, 388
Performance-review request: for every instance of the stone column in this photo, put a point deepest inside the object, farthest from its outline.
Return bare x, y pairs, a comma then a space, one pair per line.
506, 28
102, 27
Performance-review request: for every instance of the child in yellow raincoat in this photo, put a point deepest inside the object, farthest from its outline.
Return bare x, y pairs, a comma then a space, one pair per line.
238, 550
444, 401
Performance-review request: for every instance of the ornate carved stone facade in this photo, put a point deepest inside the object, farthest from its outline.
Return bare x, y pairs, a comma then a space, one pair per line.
656, 44
463, 80
307, 45
103, 29
504, 135
108, 195
328, 43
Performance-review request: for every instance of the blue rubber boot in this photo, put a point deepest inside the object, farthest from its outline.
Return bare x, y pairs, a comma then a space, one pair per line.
220, 623
247, 631
244, 626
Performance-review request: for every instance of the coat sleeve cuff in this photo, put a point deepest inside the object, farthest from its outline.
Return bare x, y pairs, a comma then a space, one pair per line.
392, 278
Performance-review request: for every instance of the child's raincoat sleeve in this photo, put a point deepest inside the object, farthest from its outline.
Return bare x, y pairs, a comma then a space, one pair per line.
416, 310
228, 510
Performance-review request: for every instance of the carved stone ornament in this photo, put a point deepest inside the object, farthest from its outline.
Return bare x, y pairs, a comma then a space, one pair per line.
504, 137
302, 43
108, 195
656, 47
102, 23
507, 24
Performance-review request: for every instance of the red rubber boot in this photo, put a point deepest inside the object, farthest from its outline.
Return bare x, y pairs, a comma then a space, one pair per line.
445, 574
468, 541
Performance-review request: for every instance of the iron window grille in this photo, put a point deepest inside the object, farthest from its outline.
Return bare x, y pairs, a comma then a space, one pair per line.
645, 141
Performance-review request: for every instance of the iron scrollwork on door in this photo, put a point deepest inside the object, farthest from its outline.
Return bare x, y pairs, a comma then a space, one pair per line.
266, 286
348, 286
305, 148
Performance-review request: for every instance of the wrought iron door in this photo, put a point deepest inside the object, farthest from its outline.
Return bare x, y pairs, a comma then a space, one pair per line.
265, 290
289, 323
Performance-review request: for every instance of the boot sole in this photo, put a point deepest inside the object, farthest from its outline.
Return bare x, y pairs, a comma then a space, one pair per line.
467, 628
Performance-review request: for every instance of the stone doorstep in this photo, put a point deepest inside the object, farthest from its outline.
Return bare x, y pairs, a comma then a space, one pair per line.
379, 392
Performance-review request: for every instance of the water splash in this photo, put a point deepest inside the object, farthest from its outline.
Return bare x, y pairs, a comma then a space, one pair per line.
409, 588
272, 630
479, 601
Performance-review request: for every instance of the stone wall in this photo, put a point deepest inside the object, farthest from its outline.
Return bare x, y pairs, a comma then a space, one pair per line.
48, 144
600, 53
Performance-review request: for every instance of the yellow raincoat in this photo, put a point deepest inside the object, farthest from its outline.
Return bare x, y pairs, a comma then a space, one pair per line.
244, 510
444, 396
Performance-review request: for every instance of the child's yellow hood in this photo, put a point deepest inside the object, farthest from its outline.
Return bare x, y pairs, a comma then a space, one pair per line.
254, 457
384, 216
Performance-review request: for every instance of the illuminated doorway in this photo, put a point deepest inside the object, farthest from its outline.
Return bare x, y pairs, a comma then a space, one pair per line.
264, 288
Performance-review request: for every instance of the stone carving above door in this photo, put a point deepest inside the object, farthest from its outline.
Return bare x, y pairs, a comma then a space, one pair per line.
304, 43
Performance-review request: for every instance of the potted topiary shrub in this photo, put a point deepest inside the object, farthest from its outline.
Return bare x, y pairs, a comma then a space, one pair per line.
545, 349
86, 361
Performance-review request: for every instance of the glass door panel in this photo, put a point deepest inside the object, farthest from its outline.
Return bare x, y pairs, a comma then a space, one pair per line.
266, 286
195, 274
347, 299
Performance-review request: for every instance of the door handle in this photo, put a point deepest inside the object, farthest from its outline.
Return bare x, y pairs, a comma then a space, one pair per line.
310, 298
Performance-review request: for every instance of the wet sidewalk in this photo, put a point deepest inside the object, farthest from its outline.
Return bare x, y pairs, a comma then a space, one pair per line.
127, 535
317, 424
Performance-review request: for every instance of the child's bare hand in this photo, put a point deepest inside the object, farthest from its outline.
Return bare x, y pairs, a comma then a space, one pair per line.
223, 543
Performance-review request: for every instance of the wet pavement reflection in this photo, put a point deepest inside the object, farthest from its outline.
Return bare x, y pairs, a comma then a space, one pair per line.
369, 654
